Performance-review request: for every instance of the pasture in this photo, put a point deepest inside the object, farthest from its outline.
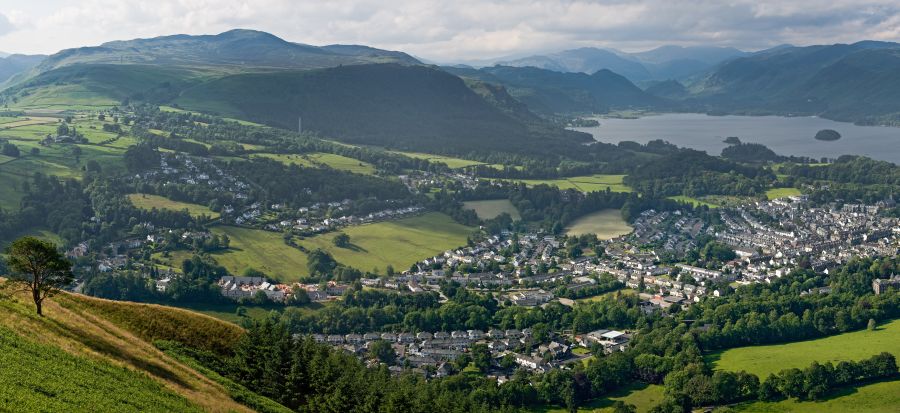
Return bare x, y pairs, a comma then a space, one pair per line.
587, 183
492, 208
882, 397
857, 345
148, 201
399, 243
607, 224
453, 163
316, 160
776, 193
261, 250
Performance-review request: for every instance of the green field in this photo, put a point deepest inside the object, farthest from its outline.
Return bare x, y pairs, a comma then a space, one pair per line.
453, 163
148, 201
883, 397
314, 160
607, 224
588, 183
776, 193
492, 208
37, 377
399, 243
857, 345
642, 396
262, 250
693, 201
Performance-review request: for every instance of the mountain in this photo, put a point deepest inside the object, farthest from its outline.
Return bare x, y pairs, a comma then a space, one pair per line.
662, 63
850, 82
586, 60
402, 107
670, 89
232, 51
551, 92
11, 65
88, 354
4, 54
709, 55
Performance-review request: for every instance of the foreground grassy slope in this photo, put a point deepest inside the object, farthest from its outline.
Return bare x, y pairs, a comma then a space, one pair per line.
36, 377
102, 344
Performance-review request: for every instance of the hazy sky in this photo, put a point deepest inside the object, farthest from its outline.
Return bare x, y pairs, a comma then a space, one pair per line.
455, 30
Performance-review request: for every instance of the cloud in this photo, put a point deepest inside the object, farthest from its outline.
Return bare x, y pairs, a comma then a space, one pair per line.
6, 26
465, 29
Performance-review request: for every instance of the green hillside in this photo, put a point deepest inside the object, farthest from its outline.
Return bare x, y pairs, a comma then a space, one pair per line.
89, 354
401, 107
856, 82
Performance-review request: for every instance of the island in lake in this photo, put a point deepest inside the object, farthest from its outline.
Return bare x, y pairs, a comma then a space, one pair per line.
828, 135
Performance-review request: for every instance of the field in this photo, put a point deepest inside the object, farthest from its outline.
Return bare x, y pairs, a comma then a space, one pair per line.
399, 243
693, 201
857, 345
588, 183
883, 397
453, 163
314, 160
148, 201
775, 193
261, 250
642, 396
607, 224
492, 208
762, 360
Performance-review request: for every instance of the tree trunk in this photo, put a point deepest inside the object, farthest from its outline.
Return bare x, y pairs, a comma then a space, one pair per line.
37, 303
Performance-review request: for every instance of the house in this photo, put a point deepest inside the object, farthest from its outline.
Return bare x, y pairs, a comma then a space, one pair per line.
880, 286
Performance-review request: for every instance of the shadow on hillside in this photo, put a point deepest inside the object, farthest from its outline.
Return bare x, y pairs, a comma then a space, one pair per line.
98, 344
355, 248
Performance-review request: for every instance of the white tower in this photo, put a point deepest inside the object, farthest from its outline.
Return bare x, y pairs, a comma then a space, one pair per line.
299, 124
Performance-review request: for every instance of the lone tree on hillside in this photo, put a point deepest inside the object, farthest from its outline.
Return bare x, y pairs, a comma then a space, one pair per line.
39, 267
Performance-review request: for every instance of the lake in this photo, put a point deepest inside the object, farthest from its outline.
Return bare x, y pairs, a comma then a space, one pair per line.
784, 135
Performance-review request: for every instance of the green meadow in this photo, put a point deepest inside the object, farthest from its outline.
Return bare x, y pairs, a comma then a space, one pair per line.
492, 208
315, 160
148, 201
607, 224
776, 193
399, 243
587, 183
857, 345
451, 162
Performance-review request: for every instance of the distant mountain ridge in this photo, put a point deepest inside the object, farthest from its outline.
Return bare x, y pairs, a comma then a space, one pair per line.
857, 82
553, 92
234, 50
11, 65
662, 63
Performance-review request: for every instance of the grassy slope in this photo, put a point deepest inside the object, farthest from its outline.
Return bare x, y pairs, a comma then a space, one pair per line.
115, 336
147, 201
37, 377
762, 360
491, 208
642, 396
449, 161
399, 243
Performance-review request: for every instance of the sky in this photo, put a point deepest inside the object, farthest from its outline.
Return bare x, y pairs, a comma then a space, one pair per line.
456, 30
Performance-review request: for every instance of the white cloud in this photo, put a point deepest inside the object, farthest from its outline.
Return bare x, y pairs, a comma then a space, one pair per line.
457, 30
